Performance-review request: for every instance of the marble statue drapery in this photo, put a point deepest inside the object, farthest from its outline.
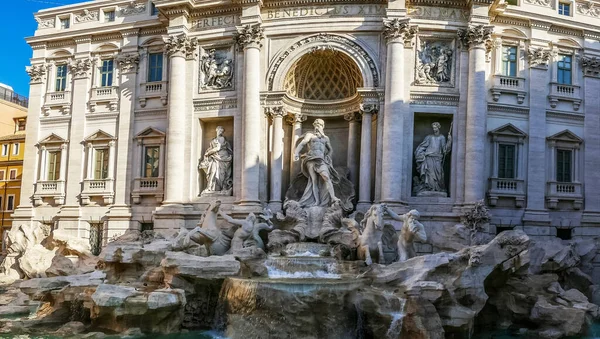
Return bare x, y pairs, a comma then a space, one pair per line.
430, 156
216, 164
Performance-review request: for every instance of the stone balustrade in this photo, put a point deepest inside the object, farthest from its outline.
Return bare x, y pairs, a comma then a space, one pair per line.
566, 191
149, 90
506, 188
97, 187
148, 187
563, 92
109, 95
508, 85
49, 189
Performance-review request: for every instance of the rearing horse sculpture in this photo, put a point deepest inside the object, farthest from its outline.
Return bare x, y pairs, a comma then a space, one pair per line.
209, 233
370, 245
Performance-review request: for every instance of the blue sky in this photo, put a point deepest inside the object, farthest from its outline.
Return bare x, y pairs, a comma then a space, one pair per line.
17, 24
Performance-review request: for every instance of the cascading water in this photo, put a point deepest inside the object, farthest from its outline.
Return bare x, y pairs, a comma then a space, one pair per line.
397, 318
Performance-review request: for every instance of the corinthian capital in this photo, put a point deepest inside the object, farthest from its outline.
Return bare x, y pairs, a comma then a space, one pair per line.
274, 112
475, 36
128, 62
369, 108
36, 73
80, 68
181, 45
396, 28
249, 36
538, 57
295, 118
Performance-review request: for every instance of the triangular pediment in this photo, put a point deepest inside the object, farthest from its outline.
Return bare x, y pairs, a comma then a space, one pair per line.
150, 132
52, 139
509, 130
99, 135
566, 136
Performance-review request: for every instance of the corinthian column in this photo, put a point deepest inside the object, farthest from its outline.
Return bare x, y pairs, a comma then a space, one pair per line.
177, 49
276, 113
296, 121
475, 38
397, 33
353, 150
364, 192
249, 39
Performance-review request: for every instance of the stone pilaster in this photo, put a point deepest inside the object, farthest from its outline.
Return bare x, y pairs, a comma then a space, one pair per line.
475, 38
249, 39
591, 172
364, 190
276, 114
352, 158
296, 121
178, 47
397, 33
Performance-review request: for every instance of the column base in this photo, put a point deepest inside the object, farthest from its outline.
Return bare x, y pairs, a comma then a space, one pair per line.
247, 208
23, 215
275, 206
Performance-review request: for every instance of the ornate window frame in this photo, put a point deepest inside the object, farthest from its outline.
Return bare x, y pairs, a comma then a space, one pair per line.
566, 92
514, 187
103, 187
50, 188
157, 89
572, 191
148, 186
506, 84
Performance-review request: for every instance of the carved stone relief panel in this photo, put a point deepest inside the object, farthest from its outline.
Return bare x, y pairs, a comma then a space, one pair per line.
435, 62
216, 69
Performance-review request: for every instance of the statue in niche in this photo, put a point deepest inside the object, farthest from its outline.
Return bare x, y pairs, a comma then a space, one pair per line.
434, 64
411, 230
430, 157
217, 71
217, 165
319, 183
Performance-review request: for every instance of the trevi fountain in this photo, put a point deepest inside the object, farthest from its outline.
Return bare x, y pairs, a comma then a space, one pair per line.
317, 269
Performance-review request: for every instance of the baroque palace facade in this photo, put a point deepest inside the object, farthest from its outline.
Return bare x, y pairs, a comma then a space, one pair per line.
431, 105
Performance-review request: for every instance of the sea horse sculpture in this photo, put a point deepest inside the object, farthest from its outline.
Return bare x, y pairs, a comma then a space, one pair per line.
209, 234
248, 234
370, 245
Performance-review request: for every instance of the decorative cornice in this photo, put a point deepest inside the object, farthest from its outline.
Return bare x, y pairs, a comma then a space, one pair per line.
275, 112
87, 16
510, 21
215, 104
181, 45
543, 3
153, 31
79, 68
128, 63
36, 73
395, 30
590, 66
476, 36
352, 117
104, 37
540, 24
249, 36
508, 109
420, 98
130, 32
538, 57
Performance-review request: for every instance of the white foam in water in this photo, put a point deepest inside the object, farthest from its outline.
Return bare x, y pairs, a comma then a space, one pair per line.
277, 273
395, 325
304, 254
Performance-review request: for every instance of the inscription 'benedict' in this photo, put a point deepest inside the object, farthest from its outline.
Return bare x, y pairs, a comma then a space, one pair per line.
339, 10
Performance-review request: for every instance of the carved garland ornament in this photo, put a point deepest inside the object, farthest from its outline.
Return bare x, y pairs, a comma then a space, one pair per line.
588, 8
591, 66
45, 23
133, 8
545, 3
249, 36
80, 67
128, 62
325, 38
181, 45
87, 16
475, 36
399, 28
538, 57
36, 73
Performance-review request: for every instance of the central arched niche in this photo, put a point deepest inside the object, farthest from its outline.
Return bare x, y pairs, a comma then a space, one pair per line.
323, 75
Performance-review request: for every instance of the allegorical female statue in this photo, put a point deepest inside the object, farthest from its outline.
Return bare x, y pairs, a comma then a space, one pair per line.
430, 156
217, 165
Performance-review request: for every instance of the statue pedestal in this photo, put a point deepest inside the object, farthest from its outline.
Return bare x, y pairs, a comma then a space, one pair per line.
432, 194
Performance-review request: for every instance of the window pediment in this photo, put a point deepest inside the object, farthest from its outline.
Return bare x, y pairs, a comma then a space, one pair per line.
508, 133
150, 133
99, 136
52, 139
565, 139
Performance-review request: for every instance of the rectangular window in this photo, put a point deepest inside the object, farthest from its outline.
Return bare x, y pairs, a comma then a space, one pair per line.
65, 23
10, 202
109, 16
106, 73
15, 149
54, 165
512, 2
153, 9
101, 165
506, 161
151, 161
13, 174
509, 61
155, 66
563, 165
4, 150
61, 78
564, 69
21, 125
2, 175
564, 9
